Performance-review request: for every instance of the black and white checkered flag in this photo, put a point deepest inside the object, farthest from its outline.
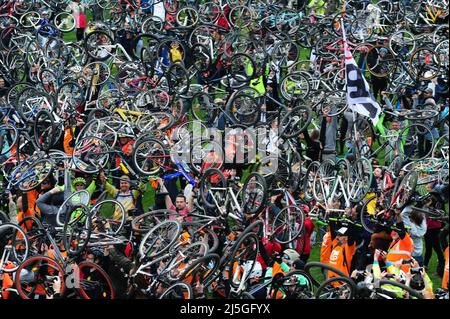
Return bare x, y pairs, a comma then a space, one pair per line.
359, 98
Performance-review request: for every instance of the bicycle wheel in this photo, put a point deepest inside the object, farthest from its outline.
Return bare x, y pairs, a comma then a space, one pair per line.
187, 17
407, 188
240, 17
107, 216
45, 130
180, 290
324, 180
8, 138
203, 108
201, 57
35, 276
178, 79
244, 254
336, 288
90, 154
94, 282
201, 271
80, 197
288, 224
360, 179
425, 64
35, 174
295, 284
254, 194
412, 142
440, 149
296, 121
294, 85
381, 61
64, 22
389, 289
159, 239
368, 214
244, 108
77, 230
309, 180
14, 247
402, 43
99, 45
213, 188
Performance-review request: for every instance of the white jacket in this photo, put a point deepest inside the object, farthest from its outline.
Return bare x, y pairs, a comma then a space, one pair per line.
416, 232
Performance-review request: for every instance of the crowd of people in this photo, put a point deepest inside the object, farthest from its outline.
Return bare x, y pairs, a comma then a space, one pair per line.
104, 178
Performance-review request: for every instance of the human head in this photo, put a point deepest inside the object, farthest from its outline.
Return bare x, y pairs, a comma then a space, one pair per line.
125, 183
428, 92
46, 184
342, 235
315, 134
79, 183
395, 125
180, 202
2, 82
19, 203
290, 256
416, 217
377, 172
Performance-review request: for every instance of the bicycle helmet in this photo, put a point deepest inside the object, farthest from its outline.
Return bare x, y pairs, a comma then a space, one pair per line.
292, 281
97, 252
79, 180
290, 255
383, 50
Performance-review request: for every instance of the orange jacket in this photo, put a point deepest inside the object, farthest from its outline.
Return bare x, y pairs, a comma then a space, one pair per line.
401, 249
341, 258
446, 269
7, 281
68, 136
325, 249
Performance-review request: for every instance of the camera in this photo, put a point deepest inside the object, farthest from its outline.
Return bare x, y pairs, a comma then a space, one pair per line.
417, 270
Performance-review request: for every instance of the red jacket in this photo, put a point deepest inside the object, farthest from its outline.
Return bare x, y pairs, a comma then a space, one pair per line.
309, 228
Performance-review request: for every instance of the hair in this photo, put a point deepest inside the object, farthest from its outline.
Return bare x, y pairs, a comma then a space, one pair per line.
416, 217
315, 134
181, 195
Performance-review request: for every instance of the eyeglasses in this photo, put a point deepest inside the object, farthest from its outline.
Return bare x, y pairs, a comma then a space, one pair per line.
45, 183
79, 184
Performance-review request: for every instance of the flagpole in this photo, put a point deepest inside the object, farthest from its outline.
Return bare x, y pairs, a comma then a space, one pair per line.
344, 38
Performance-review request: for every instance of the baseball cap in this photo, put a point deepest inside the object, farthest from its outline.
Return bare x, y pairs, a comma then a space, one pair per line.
125, 178
342, 231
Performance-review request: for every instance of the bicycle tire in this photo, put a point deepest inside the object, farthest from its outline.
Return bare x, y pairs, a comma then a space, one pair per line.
82, 229
294, 230
252, 245
299, 115
3, 240
44, 130
83, 291
21, 270
204, 189
174, 227
43, 169
9, 137
261, 197
171, 292
346, 280
411, 291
